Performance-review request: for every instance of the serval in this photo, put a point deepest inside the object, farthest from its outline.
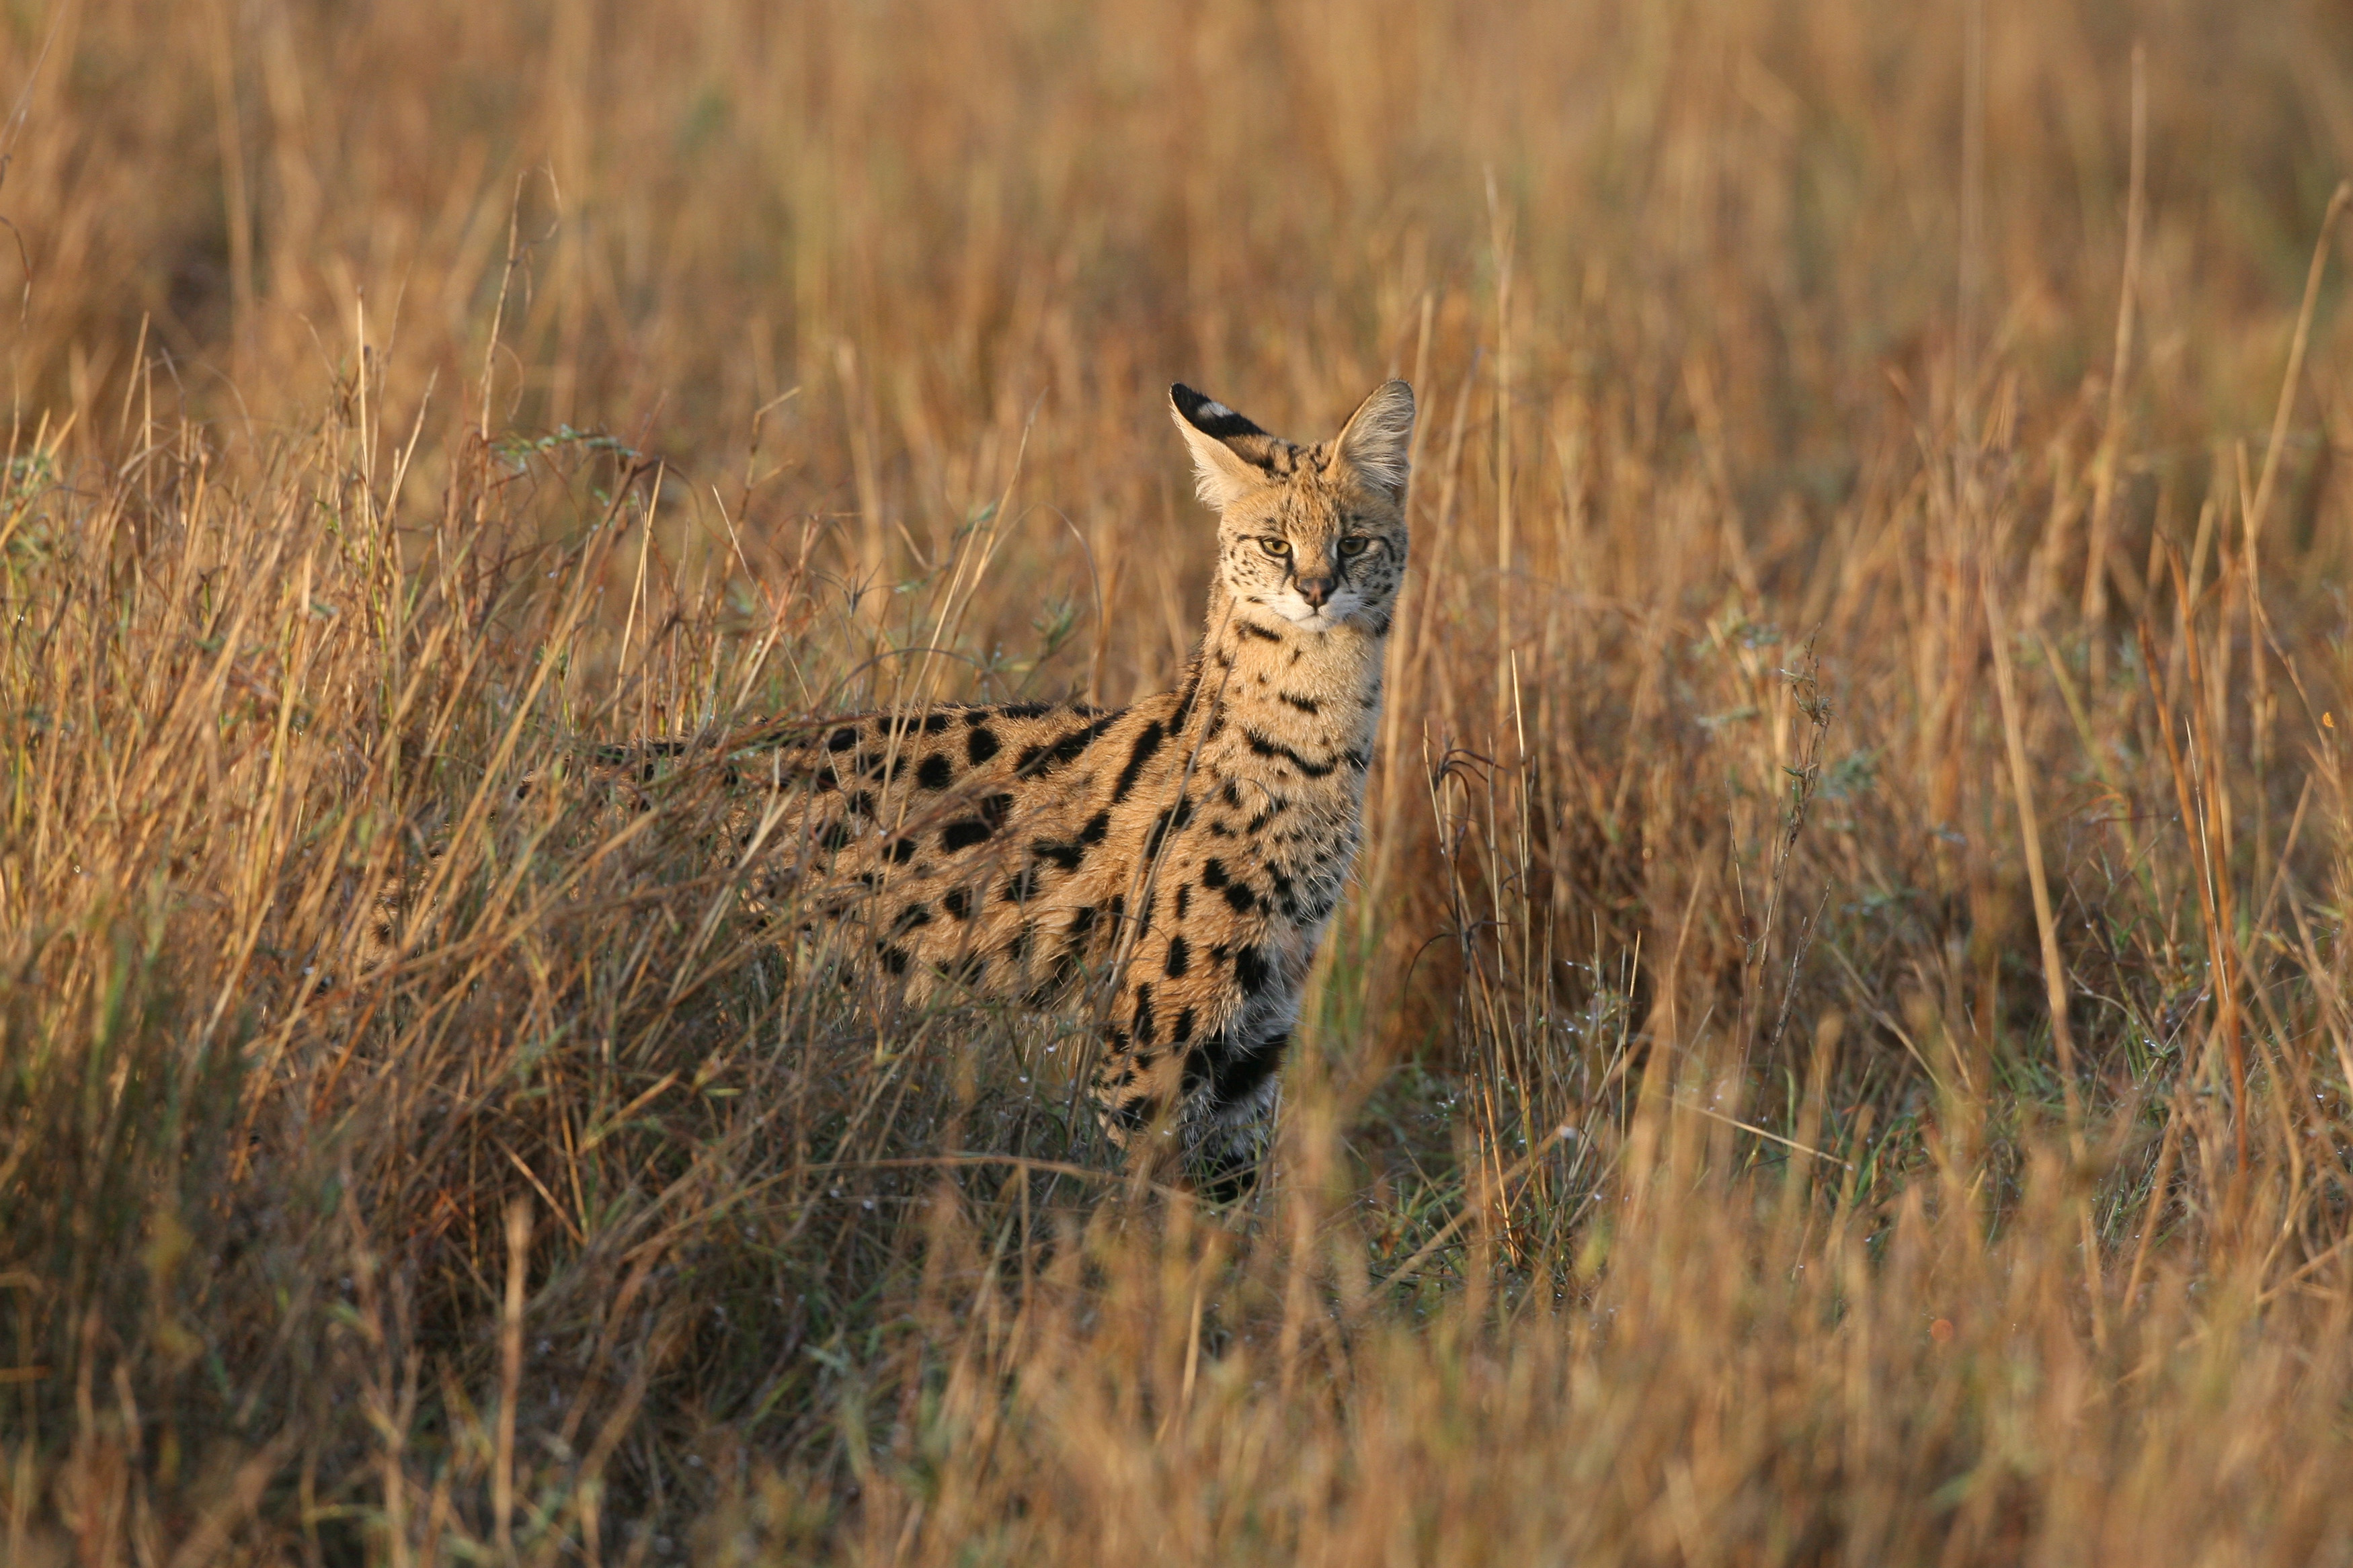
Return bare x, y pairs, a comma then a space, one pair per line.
1176, 860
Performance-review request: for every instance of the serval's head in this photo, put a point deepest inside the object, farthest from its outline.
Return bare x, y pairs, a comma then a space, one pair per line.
1312, 537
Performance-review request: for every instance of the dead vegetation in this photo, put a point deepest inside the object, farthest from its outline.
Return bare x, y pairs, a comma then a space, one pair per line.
1839, 1050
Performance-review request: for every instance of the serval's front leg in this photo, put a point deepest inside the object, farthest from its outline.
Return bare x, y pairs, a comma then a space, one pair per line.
1193, 1047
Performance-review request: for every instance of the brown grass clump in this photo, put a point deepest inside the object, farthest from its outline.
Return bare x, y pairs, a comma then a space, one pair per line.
1840, 1050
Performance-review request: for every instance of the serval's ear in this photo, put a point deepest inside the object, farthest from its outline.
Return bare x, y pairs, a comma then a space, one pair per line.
1378, 440
1228, 451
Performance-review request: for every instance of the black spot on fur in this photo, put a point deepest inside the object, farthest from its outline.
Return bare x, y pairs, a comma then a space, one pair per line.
1056, 983
981, 744
1184, 899
1276, 749
1144, 1014
1197, 1069
937, 771
1232, 795
1044, 758
895, 959
860, 804
1184, 1029
1213, 873
1147, 743
966, 832
835, 836
1185, 699
1064, 856
1179, 956
1304, 704
901, 851
1238, 895
1240, 1073
1021, 885
1082, 920
967, 970
934, 723
841, 740
957, 902
1251, 629
1068, 854
1176, 818
1026, 710
1252, 971
914, 917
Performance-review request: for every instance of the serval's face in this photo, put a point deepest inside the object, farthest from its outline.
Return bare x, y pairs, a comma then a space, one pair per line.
1311, 536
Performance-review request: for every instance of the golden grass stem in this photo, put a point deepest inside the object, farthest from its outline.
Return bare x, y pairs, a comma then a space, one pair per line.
2111, 428
837, 1271
2054, 969
1500, 228
502, 1481
2284, 407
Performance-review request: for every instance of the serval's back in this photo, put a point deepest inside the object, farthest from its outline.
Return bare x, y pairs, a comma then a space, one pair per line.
1178, 859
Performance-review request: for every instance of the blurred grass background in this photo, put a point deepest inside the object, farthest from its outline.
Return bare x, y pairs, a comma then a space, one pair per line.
1840, 1050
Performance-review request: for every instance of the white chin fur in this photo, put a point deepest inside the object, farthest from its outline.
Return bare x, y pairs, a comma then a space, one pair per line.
1334, 611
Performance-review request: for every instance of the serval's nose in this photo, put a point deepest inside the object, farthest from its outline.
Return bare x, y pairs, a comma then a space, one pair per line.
1315, 589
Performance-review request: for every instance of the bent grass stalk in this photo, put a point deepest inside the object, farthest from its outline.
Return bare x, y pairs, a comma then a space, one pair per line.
597, 1216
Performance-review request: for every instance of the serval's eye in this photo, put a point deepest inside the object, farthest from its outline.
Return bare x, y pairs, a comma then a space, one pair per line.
1356, 545
1274, 546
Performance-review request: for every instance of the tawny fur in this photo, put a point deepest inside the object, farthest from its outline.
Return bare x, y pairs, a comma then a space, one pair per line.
1177, 860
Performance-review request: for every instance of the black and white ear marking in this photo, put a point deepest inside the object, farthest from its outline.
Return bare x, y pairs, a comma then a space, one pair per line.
1221, 475
1207, 415
1378, 440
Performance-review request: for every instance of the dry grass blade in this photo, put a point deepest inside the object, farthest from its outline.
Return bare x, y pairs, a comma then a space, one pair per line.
400, 1166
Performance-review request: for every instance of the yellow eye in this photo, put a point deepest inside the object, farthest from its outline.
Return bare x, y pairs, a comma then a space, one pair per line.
1274, 546
1355, 545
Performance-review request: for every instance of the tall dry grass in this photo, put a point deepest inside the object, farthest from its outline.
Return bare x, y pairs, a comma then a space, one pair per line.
1839, 1050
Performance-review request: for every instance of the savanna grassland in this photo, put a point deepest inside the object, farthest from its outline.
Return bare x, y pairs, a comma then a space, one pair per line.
1839, 1048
